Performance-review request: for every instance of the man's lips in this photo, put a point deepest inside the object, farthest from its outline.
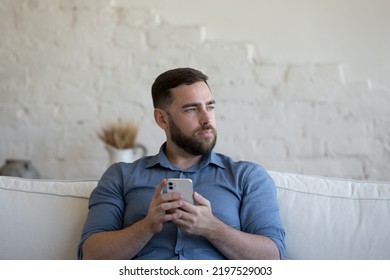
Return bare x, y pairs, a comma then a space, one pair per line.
206, 133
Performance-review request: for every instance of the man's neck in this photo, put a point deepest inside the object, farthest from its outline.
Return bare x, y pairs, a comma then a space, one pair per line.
181, 159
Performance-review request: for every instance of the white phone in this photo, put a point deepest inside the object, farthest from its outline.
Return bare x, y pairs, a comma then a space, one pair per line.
183, 186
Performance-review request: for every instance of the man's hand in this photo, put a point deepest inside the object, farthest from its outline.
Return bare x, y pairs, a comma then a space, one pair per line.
195, 219
162, 208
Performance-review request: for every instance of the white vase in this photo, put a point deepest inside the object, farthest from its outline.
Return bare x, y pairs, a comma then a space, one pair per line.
125, 155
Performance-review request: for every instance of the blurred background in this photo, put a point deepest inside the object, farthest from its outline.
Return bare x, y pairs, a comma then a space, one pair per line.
301, 86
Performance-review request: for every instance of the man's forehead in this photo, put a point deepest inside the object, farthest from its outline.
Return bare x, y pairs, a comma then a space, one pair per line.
197, 88
198, 92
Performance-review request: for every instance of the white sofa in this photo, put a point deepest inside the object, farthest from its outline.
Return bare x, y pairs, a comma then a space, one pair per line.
324, 218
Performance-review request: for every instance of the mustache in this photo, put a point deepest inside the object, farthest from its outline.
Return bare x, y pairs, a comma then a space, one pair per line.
206, 127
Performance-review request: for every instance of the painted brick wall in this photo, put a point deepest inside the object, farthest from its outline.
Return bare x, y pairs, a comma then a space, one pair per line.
69, 67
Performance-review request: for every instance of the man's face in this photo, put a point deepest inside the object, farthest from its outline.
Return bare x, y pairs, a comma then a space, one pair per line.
192, 119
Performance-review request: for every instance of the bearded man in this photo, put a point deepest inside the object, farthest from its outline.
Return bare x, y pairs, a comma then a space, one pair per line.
235, 214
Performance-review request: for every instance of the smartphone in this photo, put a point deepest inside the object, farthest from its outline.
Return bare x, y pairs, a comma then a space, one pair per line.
183, 186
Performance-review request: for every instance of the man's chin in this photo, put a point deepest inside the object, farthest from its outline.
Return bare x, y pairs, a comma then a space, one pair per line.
209, 144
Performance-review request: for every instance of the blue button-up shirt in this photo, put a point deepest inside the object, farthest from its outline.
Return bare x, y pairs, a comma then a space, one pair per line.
242, 195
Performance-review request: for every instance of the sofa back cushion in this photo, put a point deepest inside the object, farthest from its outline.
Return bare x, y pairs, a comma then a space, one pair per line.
42, 219
327, 218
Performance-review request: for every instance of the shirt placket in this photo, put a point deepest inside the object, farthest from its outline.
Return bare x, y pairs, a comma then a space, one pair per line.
181, 235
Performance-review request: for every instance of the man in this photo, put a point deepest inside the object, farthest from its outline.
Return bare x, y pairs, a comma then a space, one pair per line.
235, 214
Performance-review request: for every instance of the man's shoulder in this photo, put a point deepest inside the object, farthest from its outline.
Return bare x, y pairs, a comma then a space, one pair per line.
126, 167
228, 161
245, 170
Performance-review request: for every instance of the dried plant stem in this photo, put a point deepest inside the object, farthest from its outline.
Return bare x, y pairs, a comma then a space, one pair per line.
120, 134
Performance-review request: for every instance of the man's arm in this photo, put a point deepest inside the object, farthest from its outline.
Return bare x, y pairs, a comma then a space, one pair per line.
121, 244
235, 244
126, 243
232, 243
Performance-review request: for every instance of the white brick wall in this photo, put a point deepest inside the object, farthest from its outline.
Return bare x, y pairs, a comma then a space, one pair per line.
69, 67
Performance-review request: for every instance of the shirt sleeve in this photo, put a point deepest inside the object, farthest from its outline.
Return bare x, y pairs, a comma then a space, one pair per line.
106, 206
259, 208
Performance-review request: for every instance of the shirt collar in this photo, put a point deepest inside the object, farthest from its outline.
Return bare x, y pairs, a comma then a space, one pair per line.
161, 159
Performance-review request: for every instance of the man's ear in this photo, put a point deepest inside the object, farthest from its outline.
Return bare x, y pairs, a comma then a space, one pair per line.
161, 118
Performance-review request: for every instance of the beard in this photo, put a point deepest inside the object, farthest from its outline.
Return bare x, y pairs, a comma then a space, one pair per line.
191, 144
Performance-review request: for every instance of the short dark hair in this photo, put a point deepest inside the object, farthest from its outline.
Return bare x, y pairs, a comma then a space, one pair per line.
161, 88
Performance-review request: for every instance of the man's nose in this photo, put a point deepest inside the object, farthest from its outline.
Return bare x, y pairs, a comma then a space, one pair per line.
205, 117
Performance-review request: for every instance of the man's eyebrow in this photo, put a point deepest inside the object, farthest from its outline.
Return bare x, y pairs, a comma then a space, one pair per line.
197, 104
